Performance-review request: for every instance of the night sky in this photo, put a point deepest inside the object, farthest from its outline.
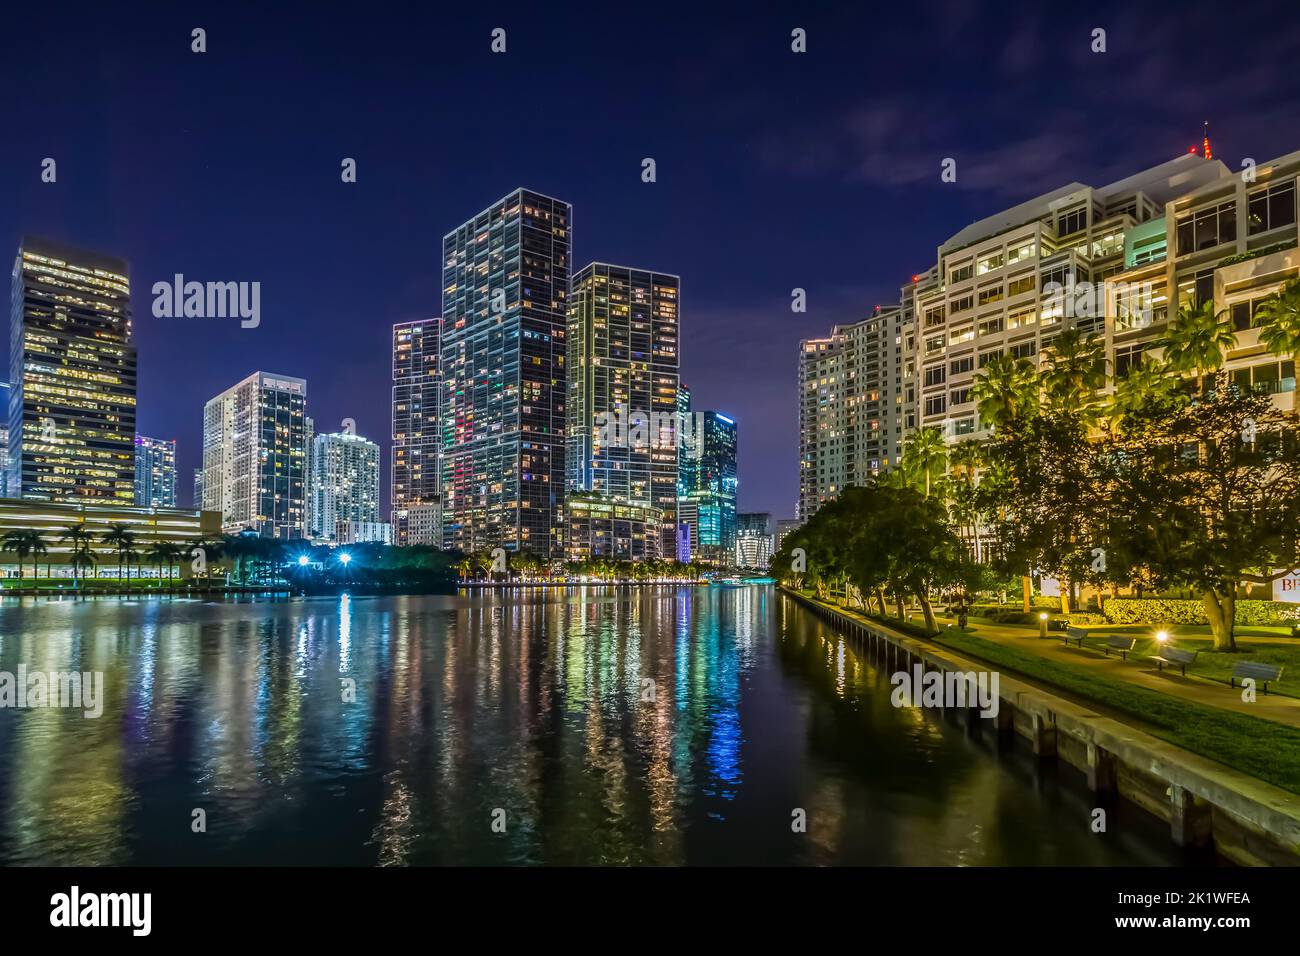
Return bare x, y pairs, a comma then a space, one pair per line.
775, 169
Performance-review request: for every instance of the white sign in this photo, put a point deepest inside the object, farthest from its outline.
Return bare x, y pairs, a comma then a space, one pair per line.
1288, 588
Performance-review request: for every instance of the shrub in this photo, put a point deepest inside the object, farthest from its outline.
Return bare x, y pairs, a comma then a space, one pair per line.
1171, 611
1086, 617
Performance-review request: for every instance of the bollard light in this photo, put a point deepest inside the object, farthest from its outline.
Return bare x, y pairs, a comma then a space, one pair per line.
1162, 636
1042, 624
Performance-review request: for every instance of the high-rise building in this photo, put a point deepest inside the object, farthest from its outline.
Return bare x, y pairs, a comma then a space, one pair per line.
155, 472
417, 434
504, 315
197, 500
850, 387
4, 439
344, 486
784, 528
710, 485
622, 392
73, 371
754, 544
255, 456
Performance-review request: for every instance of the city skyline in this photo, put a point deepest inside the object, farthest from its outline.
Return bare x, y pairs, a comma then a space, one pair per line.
853, 205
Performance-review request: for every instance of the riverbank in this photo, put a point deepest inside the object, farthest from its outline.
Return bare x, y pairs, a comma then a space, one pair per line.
198, 592
1248, 820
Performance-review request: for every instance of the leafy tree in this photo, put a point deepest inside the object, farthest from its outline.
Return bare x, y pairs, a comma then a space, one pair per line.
1278, 317
1208, 496
1197, 338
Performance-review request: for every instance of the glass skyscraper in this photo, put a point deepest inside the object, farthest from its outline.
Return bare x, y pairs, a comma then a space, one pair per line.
622, 392
417, 437
504, 305
73, 372
155, 472
709, 485
344, 484
255, 456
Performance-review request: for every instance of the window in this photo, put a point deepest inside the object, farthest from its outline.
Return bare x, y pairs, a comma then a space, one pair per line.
1021, 317
962, 365
1207, 228
1020, 285
1076, 220
989, 263
934, 344
1020, 253
1057, 274
934, 317
1243, 313
962, 273
1272, 207
962, 335
963, 426
960, 396
991, 326
1024, 349
992, 293
962, 304
1268, 379
989, 356
935, 375
1126, 358
936, 405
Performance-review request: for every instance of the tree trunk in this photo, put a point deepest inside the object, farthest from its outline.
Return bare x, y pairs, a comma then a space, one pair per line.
880, 598
927, 610
1026, 592
1221, 609
898, 602
1065, 596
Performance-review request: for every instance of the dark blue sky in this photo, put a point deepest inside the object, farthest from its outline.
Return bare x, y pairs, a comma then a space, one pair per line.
775, 170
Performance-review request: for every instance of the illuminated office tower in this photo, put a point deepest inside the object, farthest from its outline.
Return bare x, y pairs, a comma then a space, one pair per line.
155, 472
255, 456
754, 542
73, 372
622, 394
4, 439
417, 437
197, 500
344, 485
710, 484
504, 306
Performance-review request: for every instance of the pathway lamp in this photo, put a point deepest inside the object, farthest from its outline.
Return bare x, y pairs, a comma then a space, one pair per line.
1042, 624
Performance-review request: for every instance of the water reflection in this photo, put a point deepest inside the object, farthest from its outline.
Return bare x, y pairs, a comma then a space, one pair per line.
624, 726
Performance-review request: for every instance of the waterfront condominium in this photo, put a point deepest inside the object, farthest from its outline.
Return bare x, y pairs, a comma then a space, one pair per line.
1116, 261
417, 435
707, 508
155, 472
344, 486
4, 439
623, 361
504, 312
73, 372
754, 542
850, 406
255, 456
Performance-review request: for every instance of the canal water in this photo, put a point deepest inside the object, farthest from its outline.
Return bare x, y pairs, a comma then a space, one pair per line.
645, 726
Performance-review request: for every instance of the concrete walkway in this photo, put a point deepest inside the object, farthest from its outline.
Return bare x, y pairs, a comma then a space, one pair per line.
1137, 671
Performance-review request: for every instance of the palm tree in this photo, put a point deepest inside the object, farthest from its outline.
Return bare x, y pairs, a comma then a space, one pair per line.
1148, 386
1278, 317
164, 551
1197, 339
19, 541
1006, 391
925, 454
119, 537
81, 538
36, 542
83, 557
1074, 371
130, 553
465, 567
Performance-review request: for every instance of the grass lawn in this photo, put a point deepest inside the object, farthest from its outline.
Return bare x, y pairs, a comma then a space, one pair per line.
1262, 748
1212, 664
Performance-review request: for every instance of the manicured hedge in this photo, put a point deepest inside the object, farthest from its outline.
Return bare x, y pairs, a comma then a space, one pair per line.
1166, 611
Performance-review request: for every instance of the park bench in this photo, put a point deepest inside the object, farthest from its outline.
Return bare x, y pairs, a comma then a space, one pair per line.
1118, 642
1174, 658
1058, 624
1260, 673
1076, 634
